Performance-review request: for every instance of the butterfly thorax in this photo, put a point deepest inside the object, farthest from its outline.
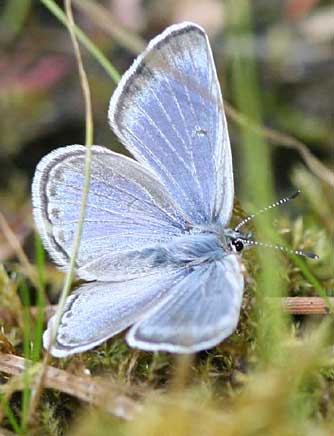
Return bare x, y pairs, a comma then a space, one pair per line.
191, 249
229, 240
202, 244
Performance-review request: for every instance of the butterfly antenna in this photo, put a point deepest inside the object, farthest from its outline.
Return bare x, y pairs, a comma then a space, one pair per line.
282, 248
265, 209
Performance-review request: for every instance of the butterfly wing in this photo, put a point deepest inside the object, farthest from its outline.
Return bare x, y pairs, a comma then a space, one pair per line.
168, 112
200, 311
127, 210
100, 310
181, 311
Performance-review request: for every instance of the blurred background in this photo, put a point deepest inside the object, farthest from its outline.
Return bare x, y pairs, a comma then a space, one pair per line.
275, 63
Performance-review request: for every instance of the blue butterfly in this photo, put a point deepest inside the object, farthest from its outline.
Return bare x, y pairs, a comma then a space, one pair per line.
156, 250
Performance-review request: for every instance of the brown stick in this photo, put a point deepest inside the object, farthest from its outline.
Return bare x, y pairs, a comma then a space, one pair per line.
97, 392
282, 139
292, 305
305, 305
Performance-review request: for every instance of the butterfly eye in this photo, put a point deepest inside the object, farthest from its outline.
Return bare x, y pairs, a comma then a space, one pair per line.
237, 244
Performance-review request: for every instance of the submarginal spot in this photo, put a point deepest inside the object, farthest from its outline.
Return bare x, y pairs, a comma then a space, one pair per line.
52, 191
61, 236
55, 213
58, 175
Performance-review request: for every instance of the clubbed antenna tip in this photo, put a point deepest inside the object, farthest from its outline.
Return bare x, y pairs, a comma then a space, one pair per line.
311, 255
294, 195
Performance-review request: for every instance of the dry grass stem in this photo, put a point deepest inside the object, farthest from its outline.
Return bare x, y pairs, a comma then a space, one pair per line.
105, 20
284, 140
96, 392
292, 305
70, 272
305, 305
18, 250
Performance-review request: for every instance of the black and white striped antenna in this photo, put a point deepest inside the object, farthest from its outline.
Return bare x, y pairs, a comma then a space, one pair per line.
307, 254
251, 242
265, 209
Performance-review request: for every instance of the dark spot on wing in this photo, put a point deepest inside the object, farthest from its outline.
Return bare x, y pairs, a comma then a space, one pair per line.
200, 132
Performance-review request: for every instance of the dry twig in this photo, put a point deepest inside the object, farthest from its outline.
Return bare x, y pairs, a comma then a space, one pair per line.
106, 21
76, 243
97, 392
292, 305
305, 305
18, 250
284, 140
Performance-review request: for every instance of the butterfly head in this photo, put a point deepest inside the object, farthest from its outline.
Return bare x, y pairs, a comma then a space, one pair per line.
236, 241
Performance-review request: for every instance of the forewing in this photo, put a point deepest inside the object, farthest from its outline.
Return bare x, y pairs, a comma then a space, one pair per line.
168, 111
127, 209
100, 310
198, 313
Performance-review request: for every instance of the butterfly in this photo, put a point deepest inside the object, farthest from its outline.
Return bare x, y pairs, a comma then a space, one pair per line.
156, 251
